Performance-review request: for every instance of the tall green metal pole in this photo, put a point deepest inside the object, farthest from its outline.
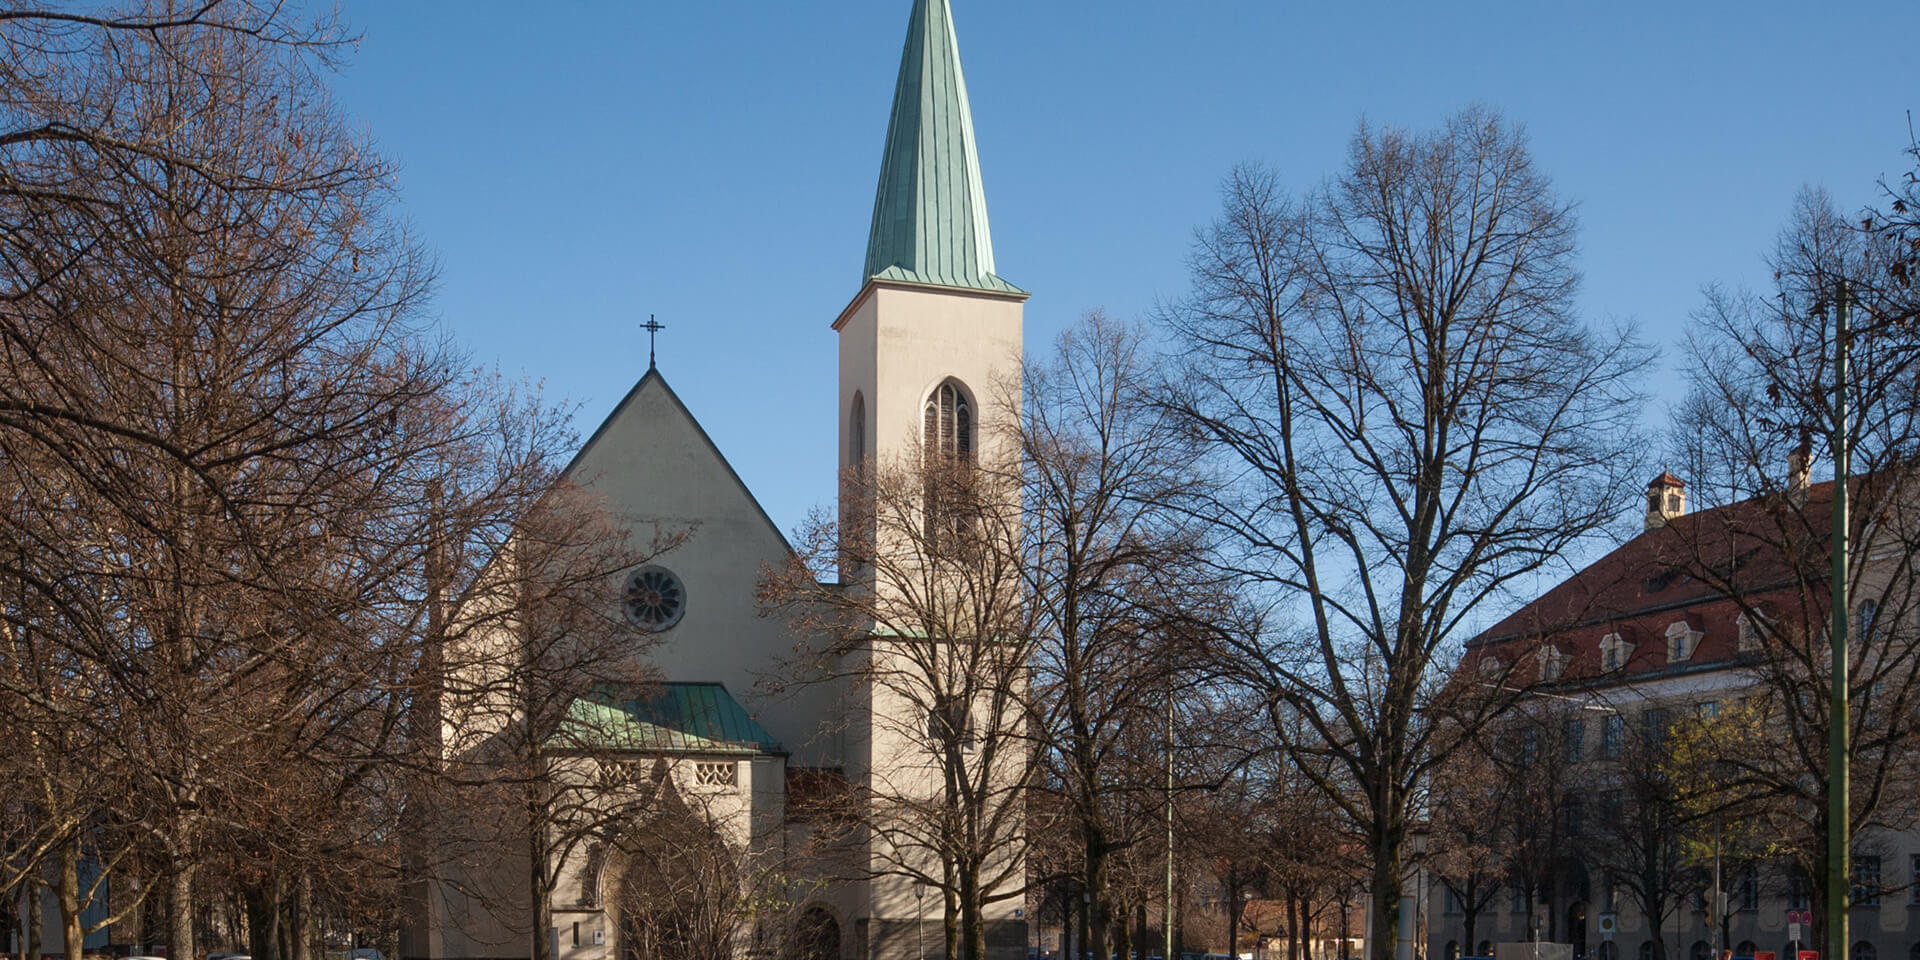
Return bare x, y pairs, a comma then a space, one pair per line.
1166, 922
1839, 859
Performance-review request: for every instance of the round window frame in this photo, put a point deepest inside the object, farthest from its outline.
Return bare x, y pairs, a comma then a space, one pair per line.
633, 585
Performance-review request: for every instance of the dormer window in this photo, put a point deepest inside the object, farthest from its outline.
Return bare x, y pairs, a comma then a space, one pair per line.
1491, 667
1682, 640
1553, 663
1614, 652
1748, 632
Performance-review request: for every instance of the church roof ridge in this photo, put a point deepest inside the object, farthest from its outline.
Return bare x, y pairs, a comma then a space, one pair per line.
930, 208
652, 375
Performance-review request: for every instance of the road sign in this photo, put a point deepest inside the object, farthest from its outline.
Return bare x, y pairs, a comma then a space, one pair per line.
1800, 916
1793, 930
1607, 923
1809, 955
1763, 955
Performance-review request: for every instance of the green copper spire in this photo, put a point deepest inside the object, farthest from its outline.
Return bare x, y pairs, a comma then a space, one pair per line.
930, 213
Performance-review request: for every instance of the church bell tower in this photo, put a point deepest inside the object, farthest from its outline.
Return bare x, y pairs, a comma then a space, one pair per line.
930, 353
932, 341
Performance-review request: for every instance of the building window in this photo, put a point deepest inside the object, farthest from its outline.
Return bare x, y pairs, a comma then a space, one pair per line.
1748, 632
1491, 667
1655, 722
655, 598
1863, 950
1452, 905
1799, 889
1682, 639
1865, 617
857, 431
1646, 950
1614, 652
947, 438
948, 424
1573, 733
716, 774
1553, 663
1701, 950
1453, 950
1519, 902
1866, 881
1612, 731
1707, 709
1570, 819
1608, 951
1914, 887
1746, 892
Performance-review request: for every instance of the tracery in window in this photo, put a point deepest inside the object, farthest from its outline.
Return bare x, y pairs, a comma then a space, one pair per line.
716, 774
947, 436
947, 425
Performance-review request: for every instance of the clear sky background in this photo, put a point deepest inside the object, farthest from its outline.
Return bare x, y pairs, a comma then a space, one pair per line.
576, 167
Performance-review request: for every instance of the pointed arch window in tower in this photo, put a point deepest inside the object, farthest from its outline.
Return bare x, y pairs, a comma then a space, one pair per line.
947, 439
857, 432
948, 425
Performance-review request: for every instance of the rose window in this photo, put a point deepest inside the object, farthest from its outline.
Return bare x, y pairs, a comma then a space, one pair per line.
655, 598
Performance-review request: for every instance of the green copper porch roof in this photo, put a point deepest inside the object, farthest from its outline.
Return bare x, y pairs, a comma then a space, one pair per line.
930, 211
670, 718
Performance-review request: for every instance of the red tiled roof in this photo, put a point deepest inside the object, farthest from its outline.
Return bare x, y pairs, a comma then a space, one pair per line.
1763, 549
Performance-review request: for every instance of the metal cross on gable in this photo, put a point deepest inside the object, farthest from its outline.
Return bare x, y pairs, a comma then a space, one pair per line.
653, 328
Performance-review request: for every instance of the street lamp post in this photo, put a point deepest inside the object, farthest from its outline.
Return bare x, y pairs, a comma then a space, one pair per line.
1839, 862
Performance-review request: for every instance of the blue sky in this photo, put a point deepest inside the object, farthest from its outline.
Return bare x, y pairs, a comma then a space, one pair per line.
713, 163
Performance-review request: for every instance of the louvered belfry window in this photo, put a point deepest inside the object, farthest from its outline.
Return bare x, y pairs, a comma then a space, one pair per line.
947, 432
948, 425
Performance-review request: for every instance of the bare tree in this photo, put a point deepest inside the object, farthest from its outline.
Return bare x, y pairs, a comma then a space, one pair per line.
1754, 430
1391, 371
1472, 800
1120, 594
1634, 827
933, 632
230, 444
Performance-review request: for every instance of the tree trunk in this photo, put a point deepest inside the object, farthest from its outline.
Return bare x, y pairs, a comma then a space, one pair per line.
1296, 926
263, 918
973, 925
30, 921
540, 904
180, 908
1384, 890
68, 895
950, 919
301, 930
1469, 919
1096, 902
1234, 910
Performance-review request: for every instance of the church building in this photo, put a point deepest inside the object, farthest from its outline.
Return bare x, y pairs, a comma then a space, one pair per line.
928, 333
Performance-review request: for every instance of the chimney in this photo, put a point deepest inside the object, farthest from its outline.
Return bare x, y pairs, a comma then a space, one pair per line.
1799, 466
1666, 499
